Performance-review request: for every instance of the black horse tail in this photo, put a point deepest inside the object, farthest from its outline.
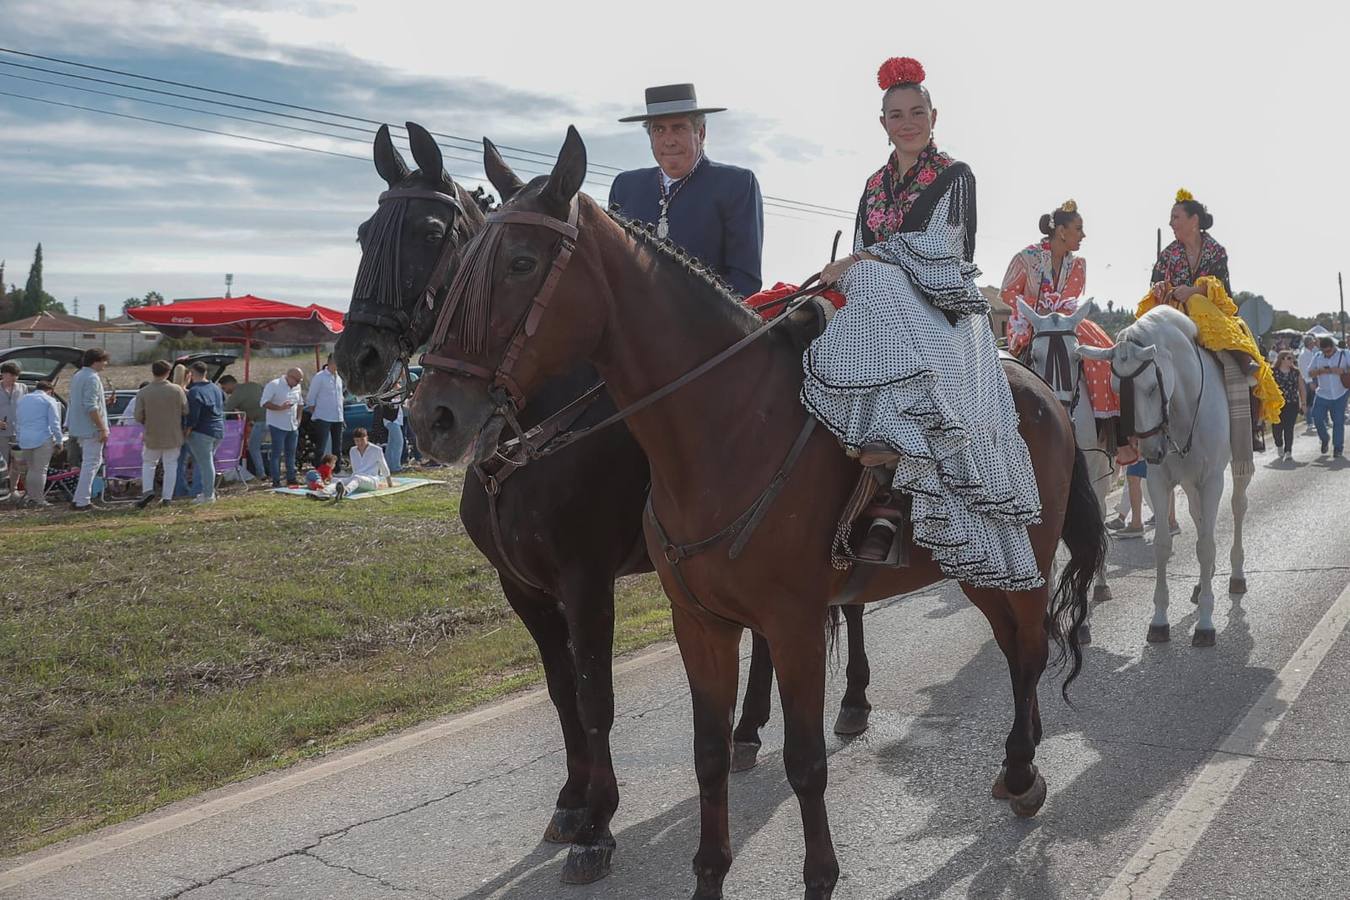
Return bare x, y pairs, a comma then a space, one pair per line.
1085, 536
833, 619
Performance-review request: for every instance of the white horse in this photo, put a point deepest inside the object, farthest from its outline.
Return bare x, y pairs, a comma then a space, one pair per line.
1180, 415
1054, 356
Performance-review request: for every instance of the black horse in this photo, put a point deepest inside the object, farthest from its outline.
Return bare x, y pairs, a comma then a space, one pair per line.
559, 530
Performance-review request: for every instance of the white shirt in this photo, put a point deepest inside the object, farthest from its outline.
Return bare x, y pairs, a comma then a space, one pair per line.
325, 396
370, 463
129, 414
278, 391
1305, 358
1329, 385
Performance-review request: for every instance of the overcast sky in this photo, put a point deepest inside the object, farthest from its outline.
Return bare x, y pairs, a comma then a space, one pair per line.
1243, 104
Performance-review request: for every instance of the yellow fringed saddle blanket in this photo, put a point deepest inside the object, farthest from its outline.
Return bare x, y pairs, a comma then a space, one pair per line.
1220, 328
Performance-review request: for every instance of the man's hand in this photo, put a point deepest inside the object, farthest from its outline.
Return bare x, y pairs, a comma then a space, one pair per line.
834, 271
103, 435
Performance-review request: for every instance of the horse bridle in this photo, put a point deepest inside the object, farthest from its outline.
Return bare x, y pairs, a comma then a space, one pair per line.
1127, 396
398, 320
1057, 357
504, 390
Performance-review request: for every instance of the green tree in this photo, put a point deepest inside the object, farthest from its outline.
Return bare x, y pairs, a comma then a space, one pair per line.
34, 299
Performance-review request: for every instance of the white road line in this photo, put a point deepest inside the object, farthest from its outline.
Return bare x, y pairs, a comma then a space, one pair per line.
119, 837
1151, 869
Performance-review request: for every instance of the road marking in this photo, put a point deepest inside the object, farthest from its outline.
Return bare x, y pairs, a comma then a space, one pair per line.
118, 837
1151, 869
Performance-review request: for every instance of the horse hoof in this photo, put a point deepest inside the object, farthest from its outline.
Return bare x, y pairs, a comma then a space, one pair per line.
1237, 585
1084, 634
1203, 637
1159, 634
852, 720
1028, 804
1000, 790
1195, 595
587, 863
1101, 593
563, 827
744, 756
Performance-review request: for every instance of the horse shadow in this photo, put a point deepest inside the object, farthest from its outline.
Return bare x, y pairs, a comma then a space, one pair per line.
1131, 767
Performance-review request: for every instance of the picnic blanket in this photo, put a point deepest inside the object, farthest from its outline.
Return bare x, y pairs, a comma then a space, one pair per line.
400, 485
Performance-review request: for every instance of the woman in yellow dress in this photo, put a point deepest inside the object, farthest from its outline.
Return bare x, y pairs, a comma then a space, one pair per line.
1192, 275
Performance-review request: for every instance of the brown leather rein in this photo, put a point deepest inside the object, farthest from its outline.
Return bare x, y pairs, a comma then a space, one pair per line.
505, 391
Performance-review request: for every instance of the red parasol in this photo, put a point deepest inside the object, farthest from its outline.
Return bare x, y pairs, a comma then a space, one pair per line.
246, 320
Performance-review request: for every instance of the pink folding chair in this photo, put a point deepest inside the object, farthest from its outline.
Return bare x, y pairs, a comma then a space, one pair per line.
122, 462
229, 455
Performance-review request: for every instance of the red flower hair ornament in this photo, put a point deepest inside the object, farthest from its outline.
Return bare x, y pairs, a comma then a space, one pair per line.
900, 70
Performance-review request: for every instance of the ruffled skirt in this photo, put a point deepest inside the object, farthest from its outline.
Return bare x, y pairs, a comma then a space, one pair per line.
890, 367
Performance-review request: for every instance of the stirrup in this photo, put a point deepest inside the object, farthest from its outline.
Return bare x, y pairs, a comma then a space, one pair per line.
897, 554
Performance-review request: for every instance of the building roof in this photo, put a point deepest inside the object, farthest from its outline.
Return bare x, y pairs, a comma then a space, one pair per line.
53, 321
995, 301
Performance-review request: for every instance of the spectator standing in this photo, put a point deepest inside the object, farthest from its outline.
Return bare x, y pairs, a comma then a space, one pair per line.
161, 406
1305, 358
87, 422
246, 397
1326, 370
129, 412
12, 390
38, 424
204, 428
393, 447
325, 401
369, 468
283, 401
1290, 381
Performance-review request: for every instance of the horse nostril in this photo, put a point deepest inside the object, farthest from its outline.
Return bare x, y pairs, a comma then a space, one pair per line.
444, 421
368, 358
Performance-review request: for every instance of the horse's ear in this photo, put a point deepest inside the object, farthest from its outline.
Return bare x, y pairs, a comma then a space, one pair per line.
499, 173
1081, 313
1103, 354
1028, 313
426, 152
569, 171
1147, 354
388, 161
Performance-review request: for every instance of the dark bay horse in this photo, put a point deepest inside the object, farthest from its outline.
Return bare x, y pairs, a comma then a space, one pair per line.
564, 527
554, 280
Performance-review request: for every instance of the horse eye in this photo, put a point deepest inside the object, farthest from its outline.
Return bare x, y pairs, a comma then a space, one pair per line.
522, 265
433, 237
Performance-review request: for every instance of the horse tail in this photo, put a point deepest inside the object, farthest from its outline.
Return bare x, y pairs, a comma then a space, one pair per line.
833, 618
1085, 535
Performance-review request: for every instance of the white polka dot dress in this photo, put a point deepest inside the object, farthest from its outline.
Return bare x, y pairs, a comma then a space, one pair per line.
891, 367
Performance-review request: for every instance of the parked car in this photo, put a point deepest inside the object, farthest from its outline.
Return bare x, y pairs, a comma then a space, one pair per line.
357, 412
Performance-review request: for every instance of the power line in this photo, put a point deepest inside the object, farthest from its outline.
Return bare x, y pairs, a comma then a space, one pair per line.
545, 158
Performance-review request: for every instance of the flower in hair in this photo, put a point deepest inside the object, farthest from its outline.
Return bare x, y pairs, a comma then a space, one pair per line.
1070, 206
1184, 195
900, 70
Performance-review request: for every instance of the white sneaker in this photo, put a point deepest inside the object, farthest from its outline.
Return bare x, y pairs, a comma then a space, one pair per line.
203, 499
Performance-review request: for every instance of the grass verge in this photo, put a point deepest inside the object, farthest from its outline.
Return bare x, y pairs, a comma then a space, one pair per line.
149, 656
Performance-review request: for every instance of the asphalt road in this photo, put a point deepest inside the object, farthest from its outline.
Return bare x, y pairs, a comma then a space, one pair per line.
1177, 772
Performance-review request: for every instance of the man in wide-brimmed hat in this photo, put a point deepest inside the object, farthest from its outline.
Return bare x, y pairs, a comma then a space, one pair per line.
712, 210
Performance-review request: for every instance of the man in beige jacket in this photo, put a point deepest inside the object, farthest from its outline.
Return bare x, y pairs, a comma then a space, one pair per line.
161, 407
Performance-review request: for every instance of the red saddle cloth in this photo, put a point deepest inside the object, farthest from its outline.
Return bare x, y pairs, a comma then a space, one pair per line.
759, 301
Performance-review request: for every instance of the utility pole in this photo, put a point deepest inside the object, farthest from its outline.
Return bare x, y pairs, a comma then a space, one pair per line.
76, 303
1340, 282
229, 281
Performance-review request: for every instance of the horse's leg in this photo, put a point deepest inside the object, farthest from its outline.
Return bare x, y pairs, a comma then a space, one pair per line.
995, 608
854, 709
710, 651
1208, 493
755, 709
545, 622
1102, 472
588, 604
801, 687
1237, 579
1159, 496
1026, 787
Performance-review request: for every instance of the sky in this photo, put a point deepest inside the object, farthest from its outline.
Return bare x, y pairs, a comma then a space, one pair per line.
1115, 106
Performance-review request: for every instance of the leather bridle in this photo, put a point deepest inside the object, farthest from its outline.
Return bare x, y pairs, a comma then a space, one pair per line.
398, 320
1057, 357
1127, 397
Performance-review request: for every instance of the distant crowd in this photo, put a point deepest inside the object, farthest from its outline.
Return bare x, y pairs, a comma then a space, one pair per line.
192, 433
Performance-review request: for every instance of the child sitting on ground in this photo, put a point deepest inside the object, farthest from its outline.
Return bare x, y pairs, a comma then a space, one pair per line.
325, 468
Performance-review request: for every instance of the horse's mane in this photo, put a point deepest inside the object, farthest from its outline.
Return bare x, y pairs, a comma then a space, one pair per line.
1154, 327
699, 276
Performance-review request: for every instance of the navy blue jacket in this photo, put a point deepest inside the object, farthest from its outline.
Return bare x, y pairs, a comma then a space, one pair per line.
718, 217
206, 409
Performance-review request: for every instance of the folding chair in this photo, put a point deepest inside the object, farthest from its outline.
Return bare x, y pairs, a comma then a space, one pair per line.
122, 463
229, 455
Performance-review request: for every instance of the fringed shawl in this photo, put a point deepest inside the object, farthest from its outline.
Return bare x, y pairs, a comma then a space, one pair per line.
893, 204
